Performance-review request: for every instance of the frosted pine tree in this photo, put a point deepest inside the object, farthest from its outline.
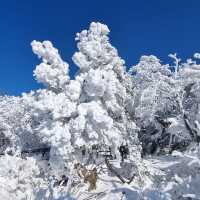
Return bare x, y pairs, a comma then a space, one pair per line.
15, 127
155, 102
52, 108
94, 108
106, 100
105, 88
188, 79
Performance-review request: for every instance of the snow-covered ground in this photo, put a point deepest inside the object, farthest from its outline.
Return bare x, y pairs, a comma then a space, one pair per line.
170, 177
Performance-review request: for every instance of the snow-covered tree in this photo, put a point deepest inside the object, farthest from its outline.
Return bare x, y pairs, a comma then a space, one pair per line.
20, 179
152, 84
188, 78
51, 108
105, 87
91, 109
15, 123
154, 97
158, 104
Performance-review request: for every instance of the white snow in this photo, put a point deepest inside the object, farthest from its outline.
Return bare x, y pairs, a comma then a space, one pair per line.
149, 109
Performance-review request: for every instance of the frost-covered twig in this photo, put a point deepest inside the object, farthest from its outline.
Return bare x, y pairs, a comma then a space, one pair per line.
176, 62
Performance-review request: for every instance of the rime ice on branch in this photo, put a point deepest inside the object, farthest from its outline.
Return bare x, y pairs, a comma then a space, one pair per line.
53, 71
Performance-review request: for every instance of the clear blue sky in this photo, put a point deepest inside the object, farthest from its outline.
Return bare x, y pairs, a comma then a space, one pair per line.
137, 27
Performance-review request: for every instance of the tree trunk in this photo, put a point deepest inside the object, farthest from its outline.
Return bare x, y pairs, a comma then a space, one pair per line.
117, 174
191, 130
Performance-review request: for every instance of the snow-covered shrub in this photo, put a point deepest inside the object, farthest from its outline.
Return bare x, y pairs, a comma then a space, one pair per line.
20, 179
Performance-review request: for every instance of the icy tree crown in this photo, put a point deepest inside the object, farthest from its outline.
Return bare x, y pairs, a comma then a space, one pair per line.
95, 51
53, 71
